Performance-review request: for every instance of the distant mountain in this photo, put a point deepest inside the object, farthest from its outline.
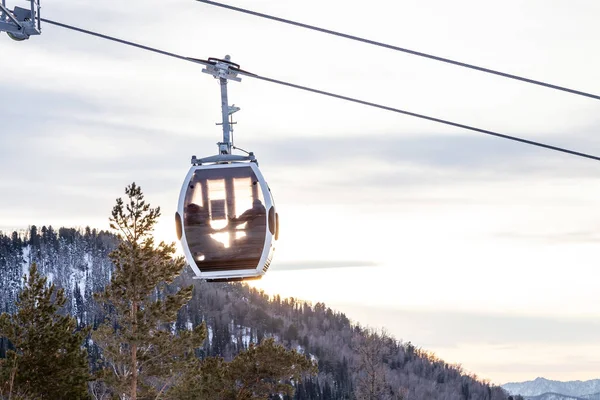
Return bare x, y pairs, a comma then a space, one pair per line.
588, 390
558, 396
553, 396
237, 315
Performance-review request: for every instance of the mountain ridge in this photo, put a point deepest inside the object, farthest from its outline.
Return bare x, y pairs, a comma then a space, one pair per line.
236, 315
542, 386
558, 396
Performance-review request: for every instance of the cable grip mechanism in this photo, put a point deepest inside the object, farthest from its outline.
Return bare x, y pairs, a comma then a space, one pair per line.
20, 23
222, 68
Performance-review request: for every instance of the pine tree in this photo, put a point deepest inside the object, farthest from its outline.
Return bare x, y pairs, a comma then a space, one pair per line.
142, 355
47, 360
259, 372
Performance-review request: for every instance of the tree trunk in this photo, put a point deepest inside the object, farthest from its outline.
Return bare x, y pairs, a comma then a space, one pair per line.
134, 370
13, 373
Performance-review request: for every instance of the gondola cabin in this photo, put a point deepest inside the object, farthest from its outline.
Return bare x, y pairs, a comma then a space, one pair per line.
226, 217
226, 221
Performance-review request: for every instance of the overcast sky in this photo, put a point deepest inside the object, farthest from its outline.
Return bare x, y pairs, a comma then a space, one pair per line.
481, 250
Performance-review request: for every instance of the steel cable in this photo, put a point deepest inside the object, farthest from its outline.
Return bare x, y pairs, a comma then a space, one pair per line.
329, 94
402, 49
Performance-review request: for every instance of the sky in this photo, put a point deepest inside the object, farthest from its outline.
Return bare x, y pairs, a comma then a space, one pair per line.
478, 249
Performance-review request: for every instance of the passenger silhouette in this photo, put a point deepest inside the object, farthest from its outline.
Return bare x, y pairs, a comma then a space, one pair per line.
196, 215
198, 234
255, 219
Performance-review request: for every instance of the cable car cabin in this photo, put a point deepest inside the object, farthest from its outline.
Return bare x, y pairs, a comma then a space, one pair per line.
226, 221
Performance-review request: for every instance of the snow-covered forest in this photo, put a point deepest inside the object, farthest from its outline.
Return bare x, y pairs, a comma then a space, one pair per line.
354, 362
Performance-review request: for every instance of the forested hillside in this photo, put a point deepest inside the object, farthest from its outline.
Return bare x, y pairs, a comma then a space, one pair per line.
354, 362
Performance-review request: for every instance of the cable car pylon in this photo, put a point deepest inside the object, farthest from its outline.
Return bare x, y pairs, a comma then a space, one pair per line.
21, 23
226, 219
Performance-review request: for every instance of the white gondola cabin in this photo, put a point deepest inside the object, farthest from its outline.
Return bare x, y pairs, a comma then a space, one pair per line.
226, 217
226, 221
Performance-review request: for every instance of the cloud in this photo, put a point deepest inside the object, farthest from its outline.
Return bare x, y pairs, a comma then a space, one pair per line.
590, 365
470, 152
100, 115
553, 238
452, 328
306, 265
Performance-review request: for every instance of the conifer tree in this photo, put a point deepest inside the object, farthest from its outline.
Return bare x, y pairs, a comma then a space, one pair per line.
259, 372
142, 356
47, 360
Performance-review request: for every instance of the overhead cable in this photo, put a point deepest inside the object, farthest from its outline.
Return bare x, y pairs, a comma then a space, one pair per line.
402, 49
439, 120
114, 39
329, 94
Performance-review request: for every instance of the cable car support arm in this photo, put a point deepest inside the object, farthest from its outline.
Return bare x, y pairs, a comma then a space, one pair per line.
224, 70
